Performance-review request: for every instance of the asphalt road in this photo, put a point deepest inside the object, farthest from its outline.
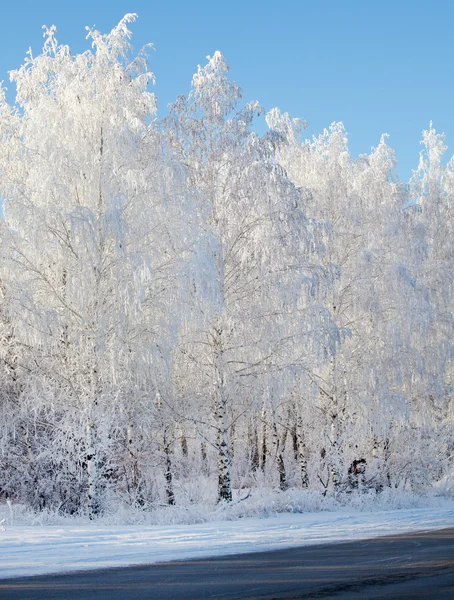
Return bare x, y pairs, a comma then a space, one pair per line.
417, 565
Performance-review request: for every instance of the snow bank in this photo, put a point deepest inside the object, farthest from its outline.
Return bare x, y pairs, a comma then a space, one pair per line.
33, 550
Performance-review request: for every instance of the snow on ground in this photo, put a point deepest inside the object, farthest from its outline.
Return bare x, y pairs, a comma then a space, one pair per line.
32, 550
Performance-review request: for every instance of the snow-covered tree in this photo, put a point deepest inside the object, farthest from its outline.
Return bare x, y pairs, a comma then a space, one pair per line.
188, 308
90, 254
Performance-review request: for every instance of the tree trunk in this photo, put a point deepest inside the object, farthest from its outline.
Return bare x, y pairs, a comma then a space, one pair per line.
279, 446
386, 458
165, 446
302, 452
203, 452
170, 495
224, 480
133, 489
334, 466
92, 475
263, 449
184, 444
254, 445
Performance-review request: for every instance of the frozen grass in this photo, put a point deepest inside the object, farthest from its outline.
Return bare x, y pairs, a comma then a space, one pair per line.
259, 503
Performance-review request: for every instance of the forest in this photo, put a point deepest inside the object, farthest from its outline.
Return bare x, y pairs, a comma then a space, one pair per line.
191, 311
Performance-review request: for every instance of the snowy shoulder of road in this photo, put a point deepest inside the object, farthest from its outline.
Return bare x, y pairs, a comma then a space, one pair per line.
33, 550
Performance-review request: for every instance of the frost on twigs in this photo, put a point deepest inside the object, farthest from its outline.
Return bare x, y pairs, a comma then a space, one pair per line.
196, 319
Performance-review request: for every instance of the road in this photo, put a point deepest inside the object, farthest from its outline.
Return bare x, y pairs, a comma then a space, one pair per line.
415, 565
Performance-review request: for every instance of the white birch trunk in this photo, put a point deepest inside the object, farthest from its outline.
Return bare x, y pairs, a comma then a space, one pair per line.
302, 452
279, 446
263, 449
224, 479
334, 466
92, 475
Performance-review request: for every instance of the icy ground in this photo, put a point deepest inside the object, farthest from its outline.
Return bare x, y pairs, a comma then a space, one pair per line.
32, 550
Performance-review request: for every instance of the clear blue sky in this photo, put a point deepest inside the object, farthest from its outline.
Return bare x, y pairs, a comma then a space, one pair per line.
377, 66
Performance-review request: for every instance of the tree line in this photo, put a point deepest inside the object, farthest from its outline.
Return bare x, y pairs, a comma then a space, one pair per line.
189, 309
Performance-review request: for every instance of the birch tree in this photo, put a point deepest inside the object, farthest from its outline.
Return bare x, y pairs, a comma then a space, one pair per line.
87, 231
247, 205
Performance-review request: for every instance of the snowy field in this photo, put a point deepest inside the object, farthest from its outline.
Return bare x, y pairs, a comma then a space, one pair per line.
33, 550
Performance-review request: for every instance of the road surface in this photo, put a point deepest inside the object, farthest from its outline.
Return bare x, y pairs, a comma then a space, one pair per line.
414, 565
